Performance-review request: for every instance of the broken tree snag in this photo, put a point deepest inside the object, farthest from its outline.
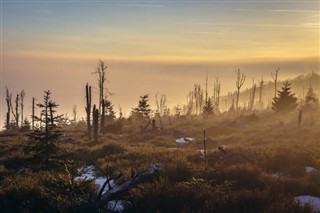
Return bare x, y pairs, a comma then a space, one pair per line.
154, 124
88, 109
95, 123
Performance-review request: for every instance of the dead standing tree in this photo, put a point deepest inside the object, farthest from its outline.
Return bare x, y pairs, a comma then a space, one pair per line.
95, 123
22, 95
161, 107
274, 76
205, 154
15, 112
252, 95
260, 95
32, 116
190, 103
241, 77
198, 96
206, 94
88, 109
102, 77
216, 93
8, 100
74, 113
103, 114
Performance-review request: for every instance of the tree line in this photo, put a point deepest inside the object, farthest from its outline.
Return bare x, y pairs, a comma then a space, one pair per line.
199, 101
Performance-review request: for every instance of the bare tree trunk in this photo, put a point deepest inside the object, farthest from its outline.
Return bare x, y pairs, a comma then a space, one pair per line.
253, 92
241, 77
196, 97
102, 119
275, 78
22, 95
260, 96
95, 123
88, 109
101, 72
217, 87
237, 100
33, 103
8, 100
206, 95
17, 111
74, 112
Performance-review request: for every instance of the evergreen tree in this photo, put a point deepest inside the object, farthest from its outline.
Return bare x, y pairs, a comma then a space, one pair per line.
310, 101
311, 97
208, 108
143, 109
44, 139
285, 101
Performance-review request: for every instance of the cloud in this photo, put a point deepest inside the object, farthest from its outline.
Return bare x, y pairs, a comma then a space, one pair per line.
249, 25
317, 25
295, 11
204, 32
141, 5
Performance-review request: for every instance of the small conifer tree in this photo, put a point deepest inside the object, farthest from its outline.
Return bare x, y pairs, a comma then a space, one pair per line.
208, 108
310, 102
286, 100
44, 139
143, 110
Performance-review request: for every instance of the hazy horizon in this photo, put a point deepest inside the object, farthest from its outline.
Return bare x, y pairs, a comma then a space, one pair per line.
161, 78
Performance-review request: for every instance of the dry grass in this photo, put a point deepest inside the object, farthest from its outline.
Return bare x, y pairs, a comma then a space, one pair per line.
236, 181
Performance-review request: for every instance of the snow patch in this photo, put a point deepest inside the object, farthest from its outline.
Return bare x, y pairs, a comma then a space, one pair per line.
310, 169
314, 202
274, 175
101, 180
184, 140
223, 148
116, 205
201, 151
89, 174
277, 175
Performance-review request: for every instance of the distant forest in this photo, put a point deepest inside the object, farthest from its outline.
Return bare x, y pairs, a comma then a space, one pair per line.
299, 84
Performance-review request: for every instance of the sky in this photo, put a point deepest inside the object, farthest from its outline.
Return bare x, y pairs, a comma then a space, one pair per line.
151, 46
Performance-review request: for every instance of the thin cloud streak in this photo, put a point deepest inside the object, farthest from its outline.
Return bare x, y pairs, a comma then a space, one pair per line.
140, 5
249, 25
204, 32
295, 11
256, 25
316, 25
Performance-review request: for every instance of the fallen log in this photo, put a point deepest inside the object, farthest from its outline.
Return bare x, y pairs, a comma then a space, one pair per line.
95, 205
